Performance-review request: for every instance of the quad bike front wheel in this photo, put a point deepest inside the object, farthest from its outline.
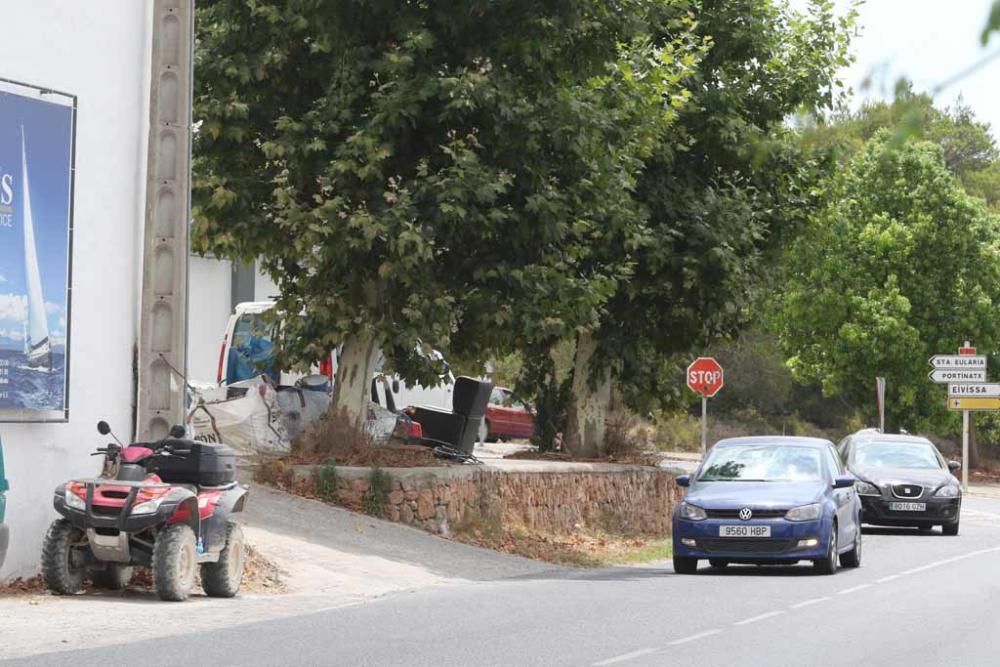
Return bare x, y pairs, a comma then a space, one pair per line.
63, 564
112, 576
222, 579
174, 562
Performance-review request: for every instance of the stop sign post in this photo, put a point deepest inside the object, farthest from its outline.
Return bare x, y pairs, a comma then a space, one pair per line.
705, 377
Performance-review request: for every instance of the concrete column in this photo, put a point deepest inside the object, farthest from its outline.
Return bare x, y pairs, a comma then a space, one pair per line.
163, 314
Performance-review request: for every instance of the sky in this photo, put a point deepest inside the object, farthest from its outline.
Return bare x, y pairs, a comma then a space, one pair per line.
48, 131
928, 42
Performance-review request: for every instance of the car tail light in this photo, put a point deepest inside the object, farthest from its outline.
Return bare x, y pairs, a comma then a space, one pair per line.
326, 367
414, 430
222, 358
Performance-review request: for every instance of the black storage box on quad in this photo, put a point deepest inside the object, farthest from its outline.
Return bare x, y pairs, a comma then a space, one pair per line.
193, 462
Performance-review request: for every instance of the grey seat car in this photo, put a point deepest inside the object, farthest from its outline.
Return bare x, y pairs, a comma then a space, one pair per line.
903, 480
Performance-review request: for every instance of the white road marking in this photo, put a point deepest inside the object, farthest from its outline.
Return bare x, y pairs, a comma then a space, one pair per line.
808, 603
624, 657
700, 635
854, 589
761, 617
888, 578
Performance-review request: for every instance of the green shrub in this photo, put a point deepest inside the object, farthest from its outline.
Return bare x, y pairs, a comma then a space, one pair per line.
325, 479
379, 484
677, 431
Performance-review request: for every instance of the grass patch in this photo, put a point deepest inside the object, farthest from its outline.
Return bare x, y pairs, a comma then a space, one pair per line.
379, 484
583, 549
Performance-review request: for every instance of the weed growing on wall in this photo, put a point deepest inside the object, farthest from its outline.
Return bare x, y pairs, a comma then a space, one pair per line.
325, 480
379, 483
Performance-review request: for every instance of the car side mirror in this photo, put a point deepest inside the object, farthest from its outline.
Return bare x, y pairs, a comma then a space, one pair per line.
103, 428
844, 482
954, 466
684, 480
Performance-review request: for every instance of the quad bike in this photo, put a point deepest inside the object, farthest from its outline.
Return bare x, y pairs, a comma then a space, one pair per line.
166, 505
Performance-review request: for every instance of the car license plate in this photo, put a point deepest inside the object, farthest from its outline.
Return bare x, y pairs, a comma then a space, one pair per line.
744, 531
908, 507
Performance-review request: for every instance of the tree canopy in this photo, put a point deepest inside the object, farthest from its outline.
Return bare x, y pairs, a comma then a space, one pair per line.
903, 264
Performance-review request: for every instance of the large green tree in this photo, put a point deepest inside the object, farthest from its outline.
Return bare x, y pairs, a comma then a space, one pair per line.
413, 171
723, 191
903, 264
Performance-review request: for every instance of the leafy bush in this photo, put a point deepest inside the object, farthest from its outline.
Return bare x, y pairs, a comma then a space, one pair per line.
325, 480
379, 484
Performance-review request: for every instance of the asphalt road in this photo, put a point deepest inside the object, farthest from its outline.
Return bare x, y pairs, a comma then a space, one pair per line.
918, 599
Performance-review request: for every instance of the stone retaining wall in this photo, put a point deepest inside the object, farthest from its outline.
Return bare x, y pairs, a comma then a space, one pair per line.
556, 498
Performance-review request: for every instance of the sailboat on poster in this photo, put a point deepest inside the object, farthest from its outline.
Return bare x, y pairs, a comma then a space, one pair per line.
37, 346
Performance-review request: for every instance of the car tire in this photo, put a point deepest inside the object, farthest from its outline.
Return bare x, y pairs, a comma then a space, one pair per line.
718, 562
174, 562
852, 558
222, 579
62, 572
950, 529
828, 565
685, 565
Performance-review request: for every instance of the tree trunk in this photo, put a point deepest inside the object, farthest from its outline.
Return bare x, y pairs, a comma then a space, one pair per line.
352, 385
589, 405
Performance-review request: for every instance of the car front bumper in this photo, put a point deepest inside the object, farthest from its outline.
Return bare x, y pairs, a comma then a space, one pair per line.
785, 545
875, 510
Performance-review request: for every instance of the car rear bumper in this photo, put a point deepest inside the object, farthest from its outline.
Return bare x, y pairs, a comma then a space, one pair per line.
785, 545
875, 510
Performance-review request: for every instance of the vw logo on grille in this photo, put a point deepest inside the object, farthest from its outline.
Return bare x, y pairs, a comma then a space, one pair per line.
907, 490
746, 514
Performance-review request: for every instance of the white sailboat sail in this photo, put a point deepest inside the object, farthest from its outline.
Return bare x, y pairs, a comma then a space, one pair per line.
38, 345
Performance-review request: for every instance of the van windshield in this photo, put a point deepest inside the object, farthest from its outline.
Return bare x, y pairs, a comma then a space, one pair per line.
252, 350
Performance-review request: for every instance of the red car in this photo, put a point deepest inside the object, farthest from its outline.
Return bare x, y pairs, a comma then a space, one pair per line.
506, 418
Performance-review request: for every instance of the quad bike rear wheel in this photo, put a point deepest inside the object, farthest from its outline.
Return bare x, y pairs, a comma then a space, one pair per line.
222, 579
174, 562
62, 559
112, 576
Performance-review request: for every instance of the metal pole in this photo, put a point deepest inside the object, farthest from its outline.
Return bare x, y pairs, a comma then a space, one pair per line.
704, 425
965, 451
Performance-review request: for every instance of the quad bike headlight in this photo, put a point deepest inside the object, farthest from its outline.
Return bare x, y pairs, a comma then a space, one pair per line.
148, 500
73, 500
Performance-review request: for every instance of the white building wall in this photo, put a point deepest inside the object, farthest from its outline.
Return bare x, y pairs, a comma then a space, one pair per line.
99, 52
209, 305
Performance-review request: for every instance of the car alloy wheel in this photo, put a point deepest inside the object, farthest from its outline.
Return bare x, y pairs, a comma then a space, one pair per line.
828, 565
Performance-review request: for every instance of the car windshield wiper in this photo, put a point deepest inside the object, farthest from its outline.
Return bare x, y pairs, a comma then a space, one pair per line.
729, 479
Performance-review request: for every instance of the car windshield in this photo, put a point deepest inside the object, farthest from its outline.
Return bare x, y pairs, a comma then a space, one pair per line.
762, 463
897, 455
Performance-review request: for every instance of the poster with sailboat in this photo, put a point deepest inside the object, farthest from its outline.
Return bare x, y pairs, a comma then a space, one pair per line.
36, 190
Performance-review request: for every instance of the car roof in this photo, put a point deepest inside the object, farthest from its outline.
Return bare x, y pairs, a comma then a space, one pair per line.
869, 436
798, 441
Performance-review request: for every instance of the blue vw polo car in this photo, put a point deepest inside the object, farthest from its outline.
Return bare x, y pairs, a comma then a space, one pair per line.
768, 500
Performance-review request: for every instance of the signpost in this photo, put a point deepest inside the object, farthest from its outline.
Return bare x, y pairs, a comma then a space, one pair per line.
965, 375
705, 377
880, 398
947, 375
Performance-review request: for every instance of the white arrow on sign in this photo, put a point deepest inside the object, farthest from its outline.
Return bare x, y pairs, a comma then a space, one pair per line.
944, 376
972, 390
957, 361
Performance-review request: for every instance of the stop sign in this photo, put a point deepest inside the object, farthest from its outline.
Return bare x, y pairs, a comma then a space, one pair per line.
705, 377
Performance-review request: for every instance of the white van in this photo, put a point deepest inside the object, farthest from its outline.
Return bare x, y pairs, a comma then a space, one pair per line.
247, 348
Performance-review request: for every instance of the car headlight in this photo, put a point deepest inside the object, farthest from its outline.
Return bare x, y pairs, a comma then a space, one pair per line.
947, 491
866, 488
805, 513
74, 501
692, 512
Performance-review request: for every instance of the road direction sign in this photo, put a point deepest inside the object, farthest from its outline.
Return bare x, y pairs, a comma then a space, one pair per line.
958, 361
974, 403
705, 376
946, 376
974, 390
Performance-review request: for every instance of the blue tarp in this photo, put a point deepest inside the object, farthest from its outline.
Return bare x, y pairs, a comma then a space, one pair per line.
255, 357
